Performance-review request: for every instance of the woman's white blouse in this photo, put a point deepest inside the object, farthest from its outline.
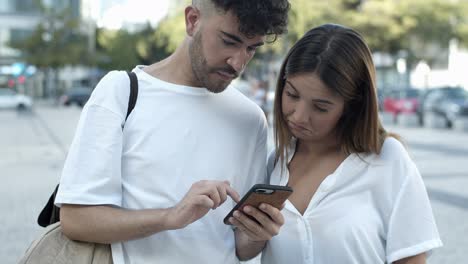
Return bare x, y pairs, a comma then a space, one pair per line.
372, 209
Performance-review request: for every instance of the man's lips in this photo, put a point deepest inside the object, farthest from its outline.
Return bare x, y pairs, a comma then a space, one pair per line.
226, 75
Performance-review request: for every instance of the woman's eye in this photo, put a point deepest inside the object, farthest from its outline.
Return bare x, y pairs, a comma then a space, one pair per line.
291, 95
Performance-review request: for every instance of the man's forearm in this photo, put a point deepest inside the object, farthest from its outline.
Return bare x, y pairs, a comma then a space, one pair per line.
105, 224
245, 248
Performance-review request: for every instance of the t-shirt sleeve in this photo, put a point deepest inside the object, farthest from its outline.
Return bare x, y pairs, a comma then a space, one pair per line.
92, 170
412, 229
271, 163
257, 170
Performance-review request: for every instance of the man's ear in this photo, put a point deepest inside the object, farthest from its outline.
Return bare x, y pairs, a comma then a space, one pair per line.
192, 19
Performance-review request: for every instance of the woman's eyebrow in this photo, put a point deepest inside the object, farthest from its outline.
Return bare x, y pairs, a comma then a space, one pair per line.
292, 86
323, 101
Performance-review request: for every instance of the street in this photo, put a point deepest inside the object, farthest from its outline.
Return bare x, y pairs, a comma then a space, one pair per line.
33, 147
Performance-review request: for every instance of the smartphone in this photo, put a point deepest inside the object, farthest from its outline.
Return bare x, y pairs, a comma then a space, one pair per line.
274, 195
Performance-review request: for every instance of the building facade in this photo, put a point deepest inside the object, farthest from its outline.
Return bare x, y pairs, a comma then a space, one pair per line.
18, 20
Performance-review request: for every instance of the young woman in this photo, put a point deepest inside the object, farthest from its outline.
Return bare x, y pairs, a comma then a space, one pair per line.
358, 197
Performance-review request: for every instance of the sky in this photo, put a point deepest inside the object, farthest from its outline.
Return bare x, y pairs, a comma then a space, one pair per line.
116, 13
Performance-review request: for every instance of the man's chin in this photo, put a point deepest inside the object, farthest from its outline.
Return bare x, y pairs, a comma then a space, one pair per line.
218, 87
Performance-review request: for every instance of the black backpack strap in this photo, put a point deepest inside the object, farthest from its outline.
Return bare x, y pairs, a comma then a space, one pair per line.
133, 93
50, 214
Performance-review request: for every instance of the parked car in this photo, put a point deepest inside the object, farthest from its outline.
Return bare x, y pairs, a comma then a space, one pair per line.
446, 102
9, 98
76, 95
402, 101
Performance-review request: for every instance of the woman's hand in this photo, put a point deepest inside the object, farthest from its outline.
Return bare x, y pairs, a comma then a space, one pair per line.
266, 223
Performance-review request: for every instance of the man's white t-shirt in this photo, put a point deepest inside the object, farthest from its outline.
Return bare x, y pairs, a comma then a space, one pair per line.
370, 210
175, 136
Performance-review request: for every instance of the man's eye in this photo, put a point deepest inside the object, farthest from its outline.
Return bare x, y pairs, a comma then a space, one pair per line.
320, 109
251, 49
228, 43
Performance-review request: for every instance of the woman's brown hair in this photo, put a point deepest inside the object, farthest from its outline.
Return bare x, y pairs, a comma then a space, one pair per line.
340, 57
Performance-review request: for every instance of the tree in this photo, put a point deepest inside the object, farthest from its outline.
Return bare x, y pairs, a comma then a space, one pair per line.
434, 24
411, 27
116, 49
150, 47
55, 42
122, 49
389, 26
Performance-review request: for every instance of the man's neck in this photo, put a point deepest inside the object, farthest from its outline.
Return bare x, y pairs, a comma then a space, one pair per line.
175, 69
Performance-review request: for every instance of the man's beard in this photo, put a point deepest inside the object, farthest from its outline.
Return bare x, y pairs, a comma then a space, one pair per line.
202, 71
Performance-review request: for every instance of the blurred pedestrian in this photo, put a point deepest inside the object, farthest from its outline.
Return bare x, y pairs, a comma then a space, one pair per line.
151, 188
358, 197
258, 93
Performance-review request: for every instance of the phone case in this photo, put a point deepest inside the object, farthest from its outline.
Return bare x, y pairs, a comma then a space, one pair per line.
274, 195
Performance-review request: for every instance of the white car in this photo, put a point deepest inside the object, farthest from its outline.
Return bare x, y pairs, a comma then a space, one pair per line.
11, 99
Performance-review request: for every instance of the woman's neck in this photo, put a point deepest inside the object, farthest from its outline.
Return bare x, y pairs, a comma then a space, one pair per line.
318, 148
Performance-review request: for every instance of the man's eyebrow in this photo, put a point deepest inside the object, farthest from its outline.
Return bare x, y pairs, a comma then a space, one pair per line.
239, 40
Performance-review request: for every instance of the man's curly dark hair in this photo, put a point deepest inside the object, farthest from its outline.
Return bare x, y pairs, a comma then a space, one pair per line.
258, 17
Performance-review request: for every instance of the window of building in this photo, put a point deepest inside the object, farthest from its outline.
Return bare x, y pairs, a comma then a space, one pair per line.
26, 6
19, 34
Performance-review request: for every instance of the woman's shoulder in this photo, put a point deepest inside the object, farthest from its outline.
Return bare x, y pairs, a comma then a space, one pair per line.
395, 162
393, 150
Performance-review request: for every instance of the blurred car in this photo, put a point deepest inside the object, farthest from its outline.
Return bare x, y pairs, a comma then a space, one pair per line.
402, 101
447, 102
9, 98
76, 96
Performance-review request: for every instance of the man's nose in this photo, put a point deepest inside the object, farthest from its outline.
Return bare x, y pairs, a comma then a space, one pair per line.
238, 61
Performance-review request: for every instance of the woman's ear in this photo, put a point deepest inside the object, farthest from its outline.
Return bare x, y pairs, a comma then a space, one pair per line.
192, 19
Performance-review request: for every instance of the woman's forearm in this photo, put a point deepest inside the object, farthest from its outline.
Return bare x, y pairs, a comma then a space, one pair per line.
245, 248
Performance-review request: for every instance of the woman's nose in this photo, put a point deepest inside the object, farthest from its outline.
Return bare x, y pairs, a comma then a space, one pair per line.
300, 114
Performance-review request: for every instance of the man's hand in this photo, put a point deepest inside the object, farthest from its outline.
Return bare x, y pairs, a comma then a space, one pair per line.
267, 225
106, 224
202, 196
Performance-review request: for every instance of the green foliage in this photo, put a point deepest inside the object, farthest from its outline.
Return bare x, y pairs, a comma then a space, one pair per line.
171, 31
56, 41
380, 24
116, 49
148, 48
306, 14
122, 49
388, 25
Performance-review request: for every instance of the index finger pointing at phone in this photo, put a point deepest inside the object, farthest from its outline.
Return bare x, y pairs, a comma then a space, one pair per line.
231, 192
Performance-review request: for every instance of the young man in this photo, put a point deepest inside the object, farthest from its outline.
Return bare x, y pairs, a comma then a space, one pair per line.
156, 189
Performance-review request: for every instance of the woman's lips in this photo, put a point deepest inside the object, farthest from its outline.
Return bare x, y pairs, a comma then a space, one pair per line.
297, 127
